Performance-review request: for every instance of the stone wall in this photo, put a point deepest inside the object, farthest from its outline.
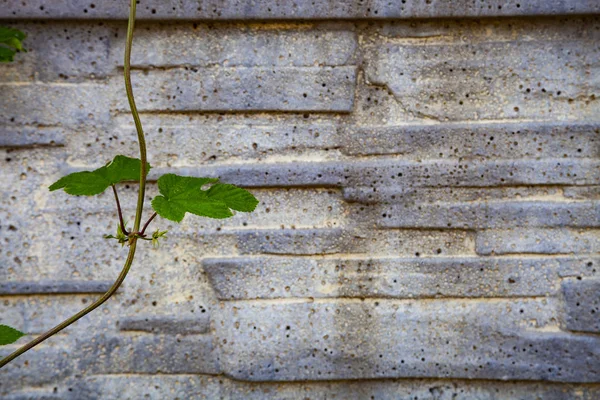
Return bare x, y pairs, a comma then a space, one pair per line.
428, 172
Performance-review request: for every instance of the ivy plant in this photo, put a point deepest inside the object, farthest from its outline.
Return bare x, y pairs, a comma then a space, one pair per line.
205, 197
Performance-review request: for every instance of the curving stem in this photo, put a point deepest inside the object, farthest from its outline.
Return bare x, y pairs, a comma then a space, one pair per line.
138, 211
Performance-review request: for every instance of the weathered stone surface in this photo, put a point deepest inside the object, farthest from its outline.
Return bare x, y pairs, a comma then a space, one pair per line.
245, 89
410, 197
62, 52
582, 303
297, 241
584, 192
201, 45
46, 364
166, 324
324, 340
483, 215
321, 9
61, 104
539, 241
207, 387
53, 287
148, 354
488, 79
192, 140
475, 139
277, 277
400, 235
28, 137
394, 172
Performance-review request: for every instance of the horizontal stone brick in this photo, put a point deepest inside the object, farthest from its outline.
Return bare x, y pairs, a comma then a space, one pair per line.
322, 9
489, 79
47, 364
325, 89
337, 240
201, 45
53, 287
77, 51
63, 52
346, 339
539, 241
584, 192
582, 303
482, 215
297, 241
31, 137
148, 354
37, 394
194, 141
275, 277
117, 387
488, 140
411, 197
53, 104
34, 315
400, 173
166, 325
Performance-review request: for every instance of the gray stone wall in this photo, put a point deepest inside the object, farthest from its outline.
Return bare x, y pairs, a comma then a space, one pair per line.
428, 171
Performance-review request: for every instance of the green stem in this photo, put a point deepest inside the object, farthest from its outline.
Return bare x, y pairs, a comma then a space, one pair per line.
121, 222
138, 213
136, 119
80, 314
147, 223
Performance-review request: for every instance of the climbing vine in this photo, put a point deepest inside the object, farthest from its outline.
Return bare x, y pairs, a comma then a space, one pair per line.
206, 197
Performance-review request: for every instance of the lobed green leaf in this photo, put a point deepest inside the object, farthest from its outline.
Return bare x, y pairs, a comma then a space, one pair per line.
9, 335
181, 194
10, 39
89, 183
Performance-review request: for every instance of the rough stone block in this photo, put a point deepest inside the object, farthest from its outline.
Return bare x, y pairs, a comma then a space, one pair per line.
349, 339
484, 215
412, 197
63, 52
53, 104
28, 137
202, 45
321, 9
539, 241
325, 89
191, 140
46, 364
53, 287
148, 354
391, 172
489, 79
582, 303
166, 324
297, 241
583, 192
118, 387
486, 140
276, 277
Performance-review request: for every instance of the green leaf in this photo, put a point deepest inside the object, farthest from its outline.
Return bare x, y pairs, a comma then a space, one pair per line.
6, 54
181, 194
89, 183
11, 39
9, 335
235, 198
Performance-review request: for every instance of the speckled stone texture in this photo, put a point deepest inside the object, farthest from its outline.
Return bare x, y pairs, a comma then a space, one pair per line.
429, 178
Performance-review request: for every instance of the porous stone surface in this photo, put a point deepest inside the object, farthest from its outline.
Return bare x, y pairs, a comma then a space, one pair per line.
429, 183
